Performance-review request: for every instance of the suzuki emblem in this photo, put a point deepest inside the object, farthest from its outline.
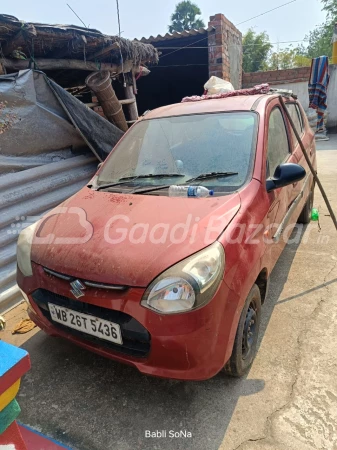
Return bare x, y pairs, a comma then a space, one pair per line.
77, 288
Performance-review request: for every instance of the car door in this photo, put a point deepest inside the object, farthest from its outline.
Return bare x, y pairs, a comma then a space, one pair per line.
278, 151
308, 140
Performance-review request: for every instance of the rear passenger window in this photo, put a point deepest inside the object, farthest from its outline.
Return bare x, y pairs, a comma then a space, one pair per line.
297, 119
300, 116
278, 144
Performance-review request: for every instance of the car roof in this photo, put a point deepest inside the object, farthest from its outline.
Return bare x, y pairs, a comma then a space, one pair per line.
238, 103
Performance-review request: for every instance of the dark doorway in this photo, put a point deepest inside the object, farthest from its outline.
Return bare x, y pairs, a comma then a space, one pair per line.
180, 72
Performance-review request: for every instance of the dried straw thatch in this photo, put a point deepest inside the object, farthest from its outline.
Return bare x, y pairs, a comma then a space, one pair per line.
22, 40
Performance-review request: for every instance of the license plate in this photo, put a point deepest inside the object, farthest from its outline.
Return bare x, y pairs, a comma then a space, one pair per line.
92, 325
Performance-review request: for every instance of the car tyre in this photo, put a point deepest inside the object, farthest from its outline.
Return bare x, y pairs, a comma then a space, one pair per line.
245, 344
305, 216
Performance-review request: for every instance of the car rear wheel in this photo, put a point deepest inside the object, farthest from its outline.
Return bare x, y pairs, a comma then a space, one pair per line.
245, 344
305, 216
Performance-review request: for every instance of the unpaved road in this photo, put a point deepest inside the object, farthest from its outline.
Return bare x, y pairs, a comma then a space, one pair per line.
288, 401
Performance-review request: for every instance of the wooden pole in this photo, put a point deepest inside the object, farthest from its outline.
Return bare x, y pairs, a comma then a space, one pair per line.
132, 107
311, 167
65, 64
122, 102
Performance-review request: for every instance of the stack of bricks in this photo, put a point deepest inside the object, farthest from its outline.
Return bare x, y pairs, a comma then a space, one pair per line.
276, 77
221, 43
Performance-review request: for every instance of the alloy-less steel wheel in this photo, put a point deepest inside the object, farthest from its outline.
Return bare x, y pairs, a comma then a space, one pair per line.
245, 344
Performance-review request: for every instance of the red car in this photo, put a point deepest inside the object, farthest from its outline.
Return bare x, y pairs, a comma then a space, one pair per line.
174, 285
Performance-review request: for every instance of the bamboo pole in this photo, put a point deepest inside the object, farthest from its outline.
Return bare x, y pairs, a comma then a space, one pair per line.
122, 102
132, 106
311, 167
65, 64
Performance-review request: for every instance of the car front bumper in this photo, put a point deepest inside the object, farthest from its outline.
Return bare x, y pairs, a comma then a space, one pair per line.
189, 346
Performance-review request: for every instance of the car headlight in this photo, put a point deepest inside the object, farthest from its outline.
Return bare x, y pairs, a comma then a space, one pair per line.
23, 250
189, 284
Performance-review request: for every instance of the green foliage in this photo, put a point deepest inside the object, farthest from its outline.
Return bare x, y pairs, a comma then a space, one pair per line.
330, 6
256, 47
288, 58
184, 17
319, 40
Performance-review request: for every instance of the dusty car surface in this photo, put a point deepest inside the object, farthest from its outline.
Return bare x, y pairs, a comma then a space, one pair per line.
174, 286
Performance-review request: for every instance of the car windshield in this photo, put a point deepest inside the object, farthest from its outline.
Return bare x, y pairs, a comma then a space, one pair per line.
187, 145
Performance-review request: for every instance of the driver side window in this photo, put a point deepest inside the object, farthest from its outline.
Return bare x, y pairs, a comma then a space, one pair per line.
278, 143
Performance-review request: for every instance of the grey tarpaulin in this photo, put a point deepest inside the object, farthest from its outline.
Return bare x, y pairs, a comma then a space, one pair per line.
49, 145
38, 117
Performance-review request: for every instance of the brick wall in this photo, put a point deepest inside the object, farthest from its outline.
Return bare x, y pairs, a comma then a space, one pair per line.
225, 50
276, 77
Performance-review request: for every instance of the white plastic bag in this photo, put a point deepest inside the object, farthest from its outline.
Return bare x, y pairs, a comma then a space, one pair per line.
216, 85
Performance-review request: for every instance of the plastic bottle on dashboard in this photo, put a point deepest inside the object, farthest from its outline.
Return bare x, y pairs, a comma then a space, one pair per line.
189, 191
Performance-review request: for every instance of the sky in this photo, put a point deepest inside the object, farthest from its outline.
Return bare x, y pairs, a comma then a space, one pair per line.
151, 17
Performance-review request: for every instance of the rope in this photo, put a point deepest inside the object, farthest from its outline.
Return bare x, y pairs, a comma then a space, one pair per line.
120, 50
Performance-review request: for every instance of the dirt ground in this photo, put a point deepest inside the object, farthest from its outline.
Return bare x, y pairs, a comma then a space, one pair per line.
288, 401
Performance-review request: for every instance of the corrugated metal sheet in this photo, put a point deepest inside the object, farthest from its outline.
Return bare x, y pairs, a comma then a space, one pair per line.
31, 193
175, 35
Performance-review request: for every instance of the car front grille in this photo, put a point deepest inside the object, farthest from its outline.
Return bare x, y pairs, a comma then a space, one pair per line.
136, 339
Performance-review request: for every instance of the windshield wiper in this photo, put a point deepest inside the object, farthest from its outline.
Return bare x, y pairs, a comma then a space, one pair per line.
155, 175
202, 176
205, 176
124, 180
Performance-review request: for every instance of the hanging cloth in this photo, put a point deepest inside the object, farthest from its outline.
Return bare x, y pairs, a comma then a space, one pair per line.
318, 85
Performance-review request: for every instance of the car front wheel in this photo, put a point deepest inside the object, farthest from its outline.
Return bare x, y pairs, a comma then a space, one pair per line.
245, 344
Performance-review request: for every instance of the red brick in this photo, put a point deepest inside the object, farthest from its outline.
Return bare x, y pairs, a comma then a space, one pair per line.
215, 23
219, 39
216, 74
225, 33
215, 67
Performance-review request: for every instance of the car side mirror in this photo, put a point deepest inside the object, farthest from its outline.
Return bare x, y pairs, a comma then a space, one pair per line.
284, 175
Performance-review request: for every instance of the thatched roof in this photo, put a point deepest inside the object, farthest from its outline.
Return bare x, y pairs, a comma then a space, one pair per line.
20, 39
